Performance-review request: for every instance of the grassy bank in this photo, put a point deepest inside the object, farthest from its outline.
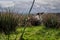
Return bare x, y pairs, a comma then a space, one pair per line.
35, 33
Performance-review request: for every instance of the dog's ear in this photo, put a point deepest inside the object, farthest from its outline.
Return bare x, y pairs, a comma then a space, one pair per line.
38, 13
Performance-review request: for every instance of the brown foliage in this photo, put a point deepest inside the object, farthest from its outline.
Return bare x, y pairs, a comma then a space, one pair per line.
51, 20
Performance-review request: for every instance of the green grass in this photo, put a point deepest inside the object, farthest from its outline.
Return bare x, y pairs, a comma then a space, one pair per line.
35, 33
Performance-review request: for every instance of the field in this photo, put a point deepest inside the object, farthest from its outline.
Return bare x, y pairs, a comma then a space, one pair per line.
34, 33
11, 27
12, 24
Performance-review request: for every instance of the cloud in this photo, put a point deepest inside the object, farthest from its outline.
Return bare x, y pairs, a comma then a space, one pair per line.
41, 1
48, 5
6, 4
40, 5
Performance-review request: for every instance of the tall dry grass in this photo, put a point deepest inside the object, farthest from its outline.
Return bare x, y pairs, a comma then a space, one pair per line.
51, 20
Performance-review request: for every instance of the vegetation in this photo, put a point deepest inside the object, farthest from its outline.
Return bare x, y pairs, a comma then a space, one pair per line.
25, 27
8, 23
34, 33
9, 29
51, 21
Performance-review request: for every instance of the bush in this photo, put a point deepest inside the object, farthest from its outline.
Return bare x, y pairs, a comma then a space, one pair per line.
50, 21
8, 22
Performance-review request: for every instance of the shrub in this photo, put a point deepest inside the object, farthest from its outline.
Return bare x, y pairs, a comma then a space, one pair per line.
8, 22
50, 21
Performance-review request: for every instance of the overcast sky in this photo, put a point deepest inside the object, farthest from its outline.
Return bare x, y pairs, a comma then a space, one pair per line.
43, 5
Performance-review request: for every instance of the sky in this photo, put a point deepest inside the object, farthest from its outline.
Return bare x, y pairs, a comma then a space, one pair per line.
39, 5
